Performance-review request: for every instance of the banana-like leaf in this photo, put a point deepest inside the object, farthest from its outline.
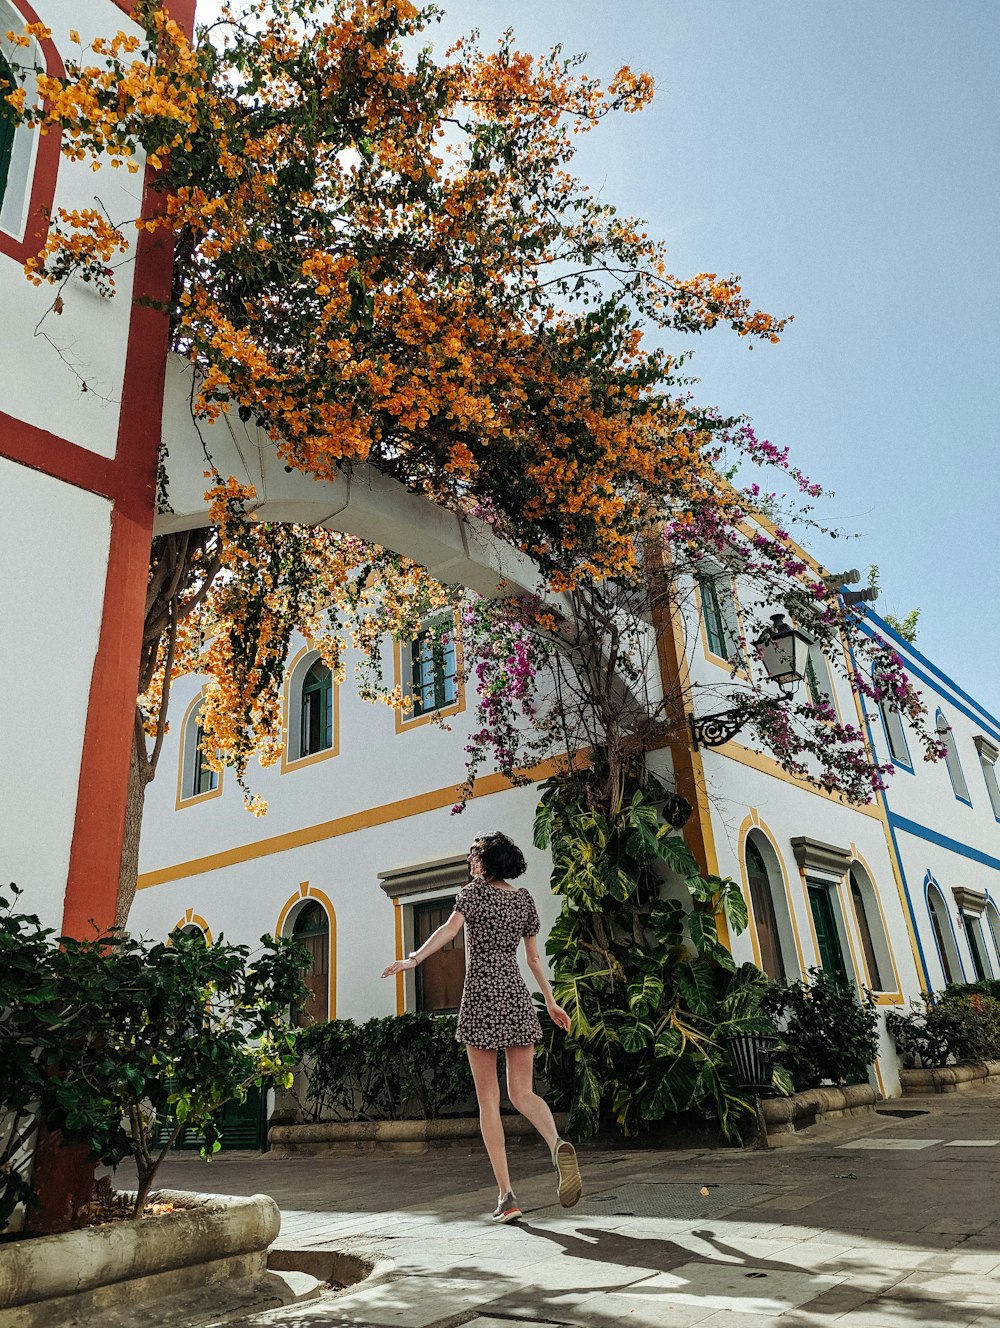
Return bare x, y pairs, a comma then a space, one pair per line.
675, 852
694, 979
783, 1081
542, 830
736, 907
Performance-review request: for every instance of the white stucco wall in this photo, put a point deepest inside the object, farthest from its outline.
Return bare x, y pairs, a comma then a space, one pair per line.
47, 357
956, 840
54, 551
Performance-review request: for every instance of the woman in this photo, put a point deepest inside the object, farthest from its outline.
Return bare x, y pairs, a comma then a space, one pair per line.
496, 1011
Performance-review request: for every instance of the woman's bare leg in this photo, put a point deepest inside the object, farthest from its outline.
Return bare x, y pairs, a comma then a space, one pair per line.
523, 1098
484, 1073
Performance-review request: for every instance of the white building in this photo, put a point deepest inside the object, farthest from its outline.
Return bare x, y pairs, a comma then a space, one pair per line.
80, 406
944, 819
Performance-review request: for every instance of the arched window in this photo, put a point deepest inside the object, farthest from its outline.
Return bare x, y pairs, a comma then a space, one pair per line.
311, 929
878, 960
771, 919
944, 937
197, 778
25, 157
944, 732
316, 710
311, 707
993, 922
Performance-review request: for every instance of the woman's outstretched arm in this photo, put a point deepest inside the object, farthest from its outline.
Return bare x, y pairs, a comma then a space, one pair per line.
436, 941
556, 1013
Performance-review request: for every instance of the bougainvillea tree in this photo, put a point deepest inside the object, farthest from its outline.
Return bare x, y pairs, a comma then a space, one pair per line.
383, 256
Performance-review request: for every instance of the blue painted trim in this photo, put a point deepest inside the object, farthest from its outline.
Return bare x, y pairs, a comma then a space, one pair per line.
892, 836
953, 845
982, 717
928, 882
886, 630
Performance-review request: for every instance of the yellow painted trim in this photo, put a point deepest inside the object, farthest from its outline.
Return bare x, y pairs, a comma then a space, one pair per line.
181, 801
400, 989
341, 825
881, 1081
767, 765
895, 996
299, 762
191, 918
768, 834
404, 724
307, 891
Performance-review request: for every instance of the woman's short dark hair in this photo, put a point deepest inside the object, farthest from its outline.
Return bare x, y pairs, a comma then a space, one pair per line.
500, 856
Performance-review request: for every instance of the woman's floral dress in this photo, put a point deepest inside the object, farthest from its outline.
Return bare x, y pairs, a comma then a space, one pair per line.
496, 1009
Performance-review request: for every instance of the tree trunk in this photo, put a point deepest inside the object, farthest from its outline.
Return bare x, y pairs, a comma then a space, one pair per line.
139, 775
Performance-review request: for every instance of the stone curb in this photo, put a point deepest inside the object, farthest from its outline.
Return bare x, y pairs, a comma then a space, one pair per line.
947, 1078
215, 1228
786, 1114
408, 1136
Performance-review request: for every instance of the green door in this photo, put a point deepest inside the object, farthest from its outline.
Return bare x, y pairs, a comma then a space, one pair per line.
827, 938
242, 1126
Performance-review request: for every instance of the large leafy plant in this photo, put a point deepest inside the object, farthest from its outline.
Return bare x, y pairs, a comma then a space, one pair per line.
651, 989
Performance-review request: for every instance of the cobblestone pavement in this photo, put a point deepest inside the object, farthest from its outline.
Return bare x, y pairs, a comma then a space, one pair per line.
875, 1221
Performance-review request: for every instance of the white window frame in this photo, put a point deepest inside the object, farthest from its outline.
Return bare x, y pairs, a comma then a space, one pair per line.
956, 774
16, 199
988, 754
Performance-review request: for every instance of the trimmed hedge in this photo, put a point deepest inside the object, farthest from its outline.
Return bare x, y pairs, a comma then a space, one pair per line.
400, 1067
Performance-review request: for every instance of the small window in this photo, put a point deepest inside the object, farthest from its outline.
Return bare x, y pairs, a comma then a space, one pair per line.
895, 735
204, 778
718, 611
958, 784
988, 753
440, 977
818, 685
316, 720
827, 928
433, 668
8, 123
873, 941
977, 946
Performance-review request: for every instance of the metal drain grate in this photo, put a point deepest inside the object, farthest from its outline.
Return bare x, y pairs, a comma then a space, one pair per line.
903, 1112
683, 1201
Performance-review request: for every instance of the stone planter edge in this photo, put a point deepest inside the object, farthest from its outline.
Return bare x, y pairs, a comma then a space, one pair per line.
785, 1114
947, 1078
314, 1137
213, 1234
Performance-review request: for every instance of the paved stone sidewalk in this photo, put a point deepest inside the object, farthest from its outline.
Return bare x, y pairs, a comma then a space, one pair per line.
877, 1221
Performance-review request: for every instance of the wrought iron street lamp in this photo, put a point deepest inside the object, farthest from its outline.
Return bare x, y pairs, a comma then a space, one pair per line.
784, 652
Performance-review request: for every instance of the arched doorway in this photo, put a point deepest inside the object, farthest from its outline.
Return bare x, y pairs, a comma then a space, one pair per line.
311, 928
944, 937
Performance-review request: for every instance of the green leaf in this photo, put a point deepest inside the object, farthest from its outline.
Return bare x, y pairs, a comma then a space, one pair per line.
635, 1037
694, 979
644, 996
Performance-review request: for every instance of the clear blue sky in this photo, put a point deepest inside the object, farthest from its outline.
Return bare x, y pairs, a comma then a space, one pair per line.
843, 157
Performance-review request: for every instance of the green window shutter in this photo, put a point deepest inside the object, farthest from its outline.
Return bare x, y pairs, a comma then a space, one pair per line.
8, 124
715, 622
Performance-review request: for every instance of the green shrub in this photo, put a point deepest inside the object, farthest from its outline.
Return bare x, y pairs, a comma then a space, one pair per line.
400, 1067
959, 1024
829, 1035
107, 1039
